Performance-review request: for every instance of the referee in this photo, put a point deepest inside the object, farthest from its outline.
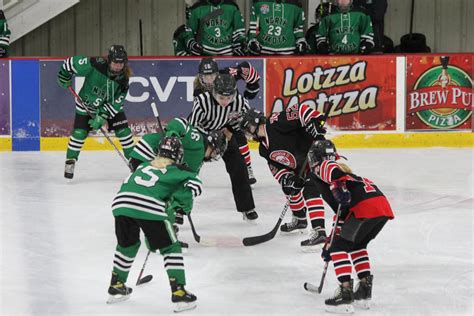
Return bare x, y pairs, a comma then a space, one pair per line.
219, 109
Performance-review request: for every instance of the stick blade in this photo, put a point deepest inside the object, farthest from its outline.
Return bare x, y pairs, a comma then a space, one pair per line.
145, 279
252, 241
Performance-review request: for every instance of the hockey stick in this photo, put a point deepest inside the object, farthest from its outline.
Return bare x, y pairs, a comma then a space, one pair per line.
255, 240
146, 278
78, 98
197, 238
311, 287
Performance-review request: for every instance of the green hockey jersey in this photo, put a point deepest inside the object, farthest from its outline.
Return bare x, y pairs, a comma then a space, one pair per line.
193, 144
154, 194
278, 26
219, 29
345, 31
101, 94
4, 36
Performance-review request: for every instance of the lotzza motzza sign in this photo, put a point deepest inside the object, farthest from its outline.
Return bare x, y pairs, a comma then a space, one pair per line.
358, 91
439, 92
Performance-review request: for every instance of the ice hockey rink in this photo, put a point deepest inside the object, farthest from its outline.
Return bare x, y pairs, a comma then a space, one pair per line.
57, 240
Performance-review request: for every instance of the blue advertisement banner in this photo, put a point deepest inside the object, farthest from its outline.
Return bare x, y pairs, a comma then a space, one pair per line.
5, 98
168, 83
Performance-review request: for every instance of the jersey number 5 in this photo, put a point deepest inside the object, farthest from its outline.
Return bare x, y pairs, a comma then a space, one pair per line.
147, 182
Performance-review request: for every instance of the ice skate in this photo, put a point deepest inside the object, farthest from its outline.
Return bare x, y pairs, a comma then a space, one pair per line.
316, 240
252, 179
182, 299
341, 302
295, 226
118, 291
69, 168
250, 216
363, 293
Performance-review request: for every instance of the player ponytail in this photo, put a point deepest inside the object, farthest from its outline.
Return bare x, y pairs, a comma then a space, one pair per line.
161, 162
345, 167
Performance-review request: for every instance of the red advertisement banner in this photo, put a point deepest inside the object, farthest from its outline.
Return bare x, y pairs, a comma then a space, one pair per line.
439, 92
358, 91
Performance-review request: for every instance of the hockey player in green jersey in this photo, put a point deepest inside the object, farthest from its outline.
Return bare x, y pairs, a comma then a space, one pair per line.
215, 27
4, 36
103, 93
197, 147
147, 201
276, 28
347, 30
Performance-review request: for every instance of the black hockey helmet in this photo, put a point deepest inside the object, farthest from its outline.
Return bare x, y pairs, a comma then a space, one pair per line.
2, 15
208, 66
117, 54
321, 150
250, 120
208, 71
218, 142
322, 10
225, 85
225, 89
172, 148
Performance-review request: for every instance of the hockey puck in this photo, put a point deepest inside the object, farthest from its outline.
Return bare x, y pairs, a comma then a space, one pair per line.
145, 279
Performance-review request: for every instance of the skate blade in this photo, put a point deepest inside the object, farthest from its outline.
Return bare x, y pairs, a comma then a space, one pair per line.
117, 298
340, 309
293, 232
362, 304
181, 307
312, 249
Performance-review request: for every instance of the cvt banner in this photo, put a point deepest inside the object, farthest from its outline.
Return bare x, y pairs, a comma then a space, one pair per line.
439, 92
168, 83
358, 91
5, 98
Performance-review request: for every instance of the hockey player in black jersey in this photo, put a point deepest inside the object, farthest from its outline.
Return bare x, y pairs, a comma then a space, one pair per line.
364, 210
208, 71
220, 110
285, 138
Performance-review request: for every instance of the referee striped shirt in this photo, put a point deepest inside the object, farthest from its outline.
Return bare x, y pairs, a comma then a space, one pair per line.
208, 115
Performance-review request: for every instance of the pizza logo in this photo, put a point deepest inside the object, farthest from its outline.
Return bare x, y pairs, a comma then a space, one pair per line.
283, 157
264, 9
442, 96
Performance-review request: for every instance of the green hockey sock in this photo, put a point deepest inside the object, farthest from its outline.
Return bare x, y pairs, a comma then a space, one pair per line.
174, 264
76, 141
123, 260
126, 140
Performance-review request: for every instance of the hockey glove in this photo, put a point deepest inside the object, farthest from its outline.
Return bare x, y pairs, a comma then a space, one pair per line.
323, 48
179, 216
316, 127
365, 47
240, 49
97, 122
195, 48
325, 254
340, 192
302, 47
291, 184
254, 47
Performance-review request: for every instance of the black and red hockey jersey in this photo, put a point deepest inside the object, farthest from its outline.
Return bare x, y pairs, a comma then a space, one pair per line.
367, 201
287, 143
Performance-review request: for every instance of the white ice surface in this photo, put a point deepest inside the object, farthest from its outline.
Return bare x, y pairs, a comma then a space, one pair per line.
57, 240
